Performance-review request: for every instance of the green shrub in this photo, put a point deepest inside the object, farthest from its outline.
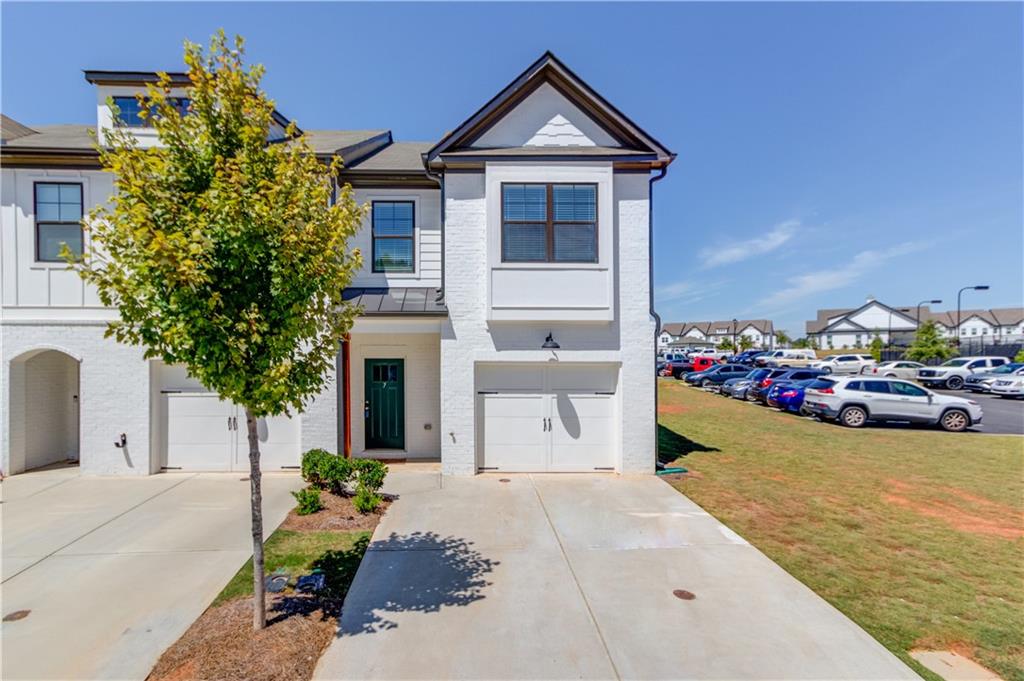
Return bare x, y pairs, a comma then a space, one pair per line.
369, 474
309, 500
312, 463
366, 501
1019, 357
336, 471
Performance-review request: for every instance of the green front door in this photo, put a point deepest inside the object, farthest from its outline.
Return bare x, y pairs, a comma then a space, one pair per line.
385, 403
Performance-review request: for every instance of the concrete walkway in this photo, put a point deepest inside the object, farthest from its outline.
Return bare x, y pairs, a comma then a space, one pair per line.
114, 570
572, 576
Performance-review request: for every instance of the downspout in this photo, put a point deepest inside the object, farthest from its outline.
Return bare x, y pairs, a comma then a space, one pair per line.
439, 178
650, 291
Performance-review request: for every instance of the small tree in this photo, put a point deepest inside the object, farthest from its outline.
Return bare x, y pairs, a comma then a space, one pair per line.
782, 338
929, 344
225, 253
1019, 357
726, 345
876, 348
801, 343
746, 342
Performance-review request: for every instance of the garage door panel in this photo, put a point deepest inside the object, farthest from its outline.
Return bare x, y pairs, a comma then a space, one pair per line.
570, 426
510, 378
514, 435
279, 438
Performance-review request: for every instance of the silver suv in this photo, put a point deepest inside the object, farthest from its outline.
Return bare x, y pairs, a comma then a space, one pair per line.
855, 400
953, 373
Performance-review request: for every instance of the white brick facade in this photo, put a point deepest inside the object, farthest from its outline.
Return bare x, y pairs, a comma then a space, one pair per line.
114, 396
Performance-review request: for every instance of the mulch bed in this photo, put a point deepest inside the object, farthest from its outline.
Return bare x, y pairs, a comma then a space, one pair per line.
222, 646
338, 514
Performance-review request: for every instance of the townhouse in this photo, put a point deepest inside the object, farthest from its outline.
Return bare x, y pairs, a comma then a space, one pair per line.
507, 320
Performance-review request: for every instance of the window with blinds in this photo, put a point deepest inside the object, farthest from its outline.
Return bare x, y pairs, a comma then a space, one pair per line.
393, 236
549, 223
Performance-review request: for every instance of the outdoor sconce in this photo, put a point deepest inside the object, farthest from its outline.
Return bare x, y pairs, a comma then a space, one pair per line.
122, 441
549, 343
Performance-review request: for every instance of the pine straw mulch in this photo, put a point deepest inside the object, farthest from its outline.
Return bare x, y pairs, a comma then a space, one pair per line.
222, 646
338, 514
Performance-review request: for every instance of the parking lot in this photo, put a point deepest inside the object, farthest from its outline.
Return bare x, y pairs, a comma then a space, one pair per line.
1002, 416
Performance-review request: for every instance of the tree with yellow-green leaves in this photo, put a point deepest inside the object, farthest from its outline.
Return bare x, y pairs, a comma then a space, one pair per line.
223, 252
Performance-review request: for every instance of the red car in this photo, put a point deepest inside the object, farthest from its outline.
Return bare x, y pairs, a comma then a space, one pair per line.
702, 363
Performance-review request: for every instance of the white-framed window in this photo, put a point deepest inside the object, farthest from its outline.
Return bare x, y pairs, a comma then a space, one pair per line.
394, 236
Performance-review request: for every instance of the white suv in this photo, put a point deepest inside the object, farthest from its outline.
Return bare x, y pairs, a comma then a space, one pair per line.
855, 400
951, 374
791, 358
844, 364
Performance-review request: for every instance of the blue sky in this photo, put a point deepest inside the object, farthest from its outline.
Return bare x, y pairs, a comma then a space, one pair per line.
827, 152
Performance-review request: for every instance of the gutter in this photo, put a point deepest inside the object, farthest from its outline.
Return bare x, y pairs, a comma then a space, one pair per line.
663, 171
439, 178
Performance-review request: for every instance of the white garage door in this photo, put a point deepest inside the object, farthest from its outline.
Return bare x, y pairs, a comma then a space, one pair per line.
539, 418
205, 433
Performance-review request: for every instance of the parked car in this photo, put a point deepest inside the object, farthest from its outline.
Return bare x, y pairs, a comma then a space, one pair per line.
676, 368
717, 374
790, 396
759, 389
855, 400
1011, 386
701, 363
953, 373
896, 369
712, 353
793, 357
844, 364
981, 382
737, 387
748, 356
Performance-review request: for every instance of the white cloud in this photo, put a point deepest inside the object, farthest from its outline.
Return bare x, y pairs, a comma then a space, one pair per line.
766, 243
842, 274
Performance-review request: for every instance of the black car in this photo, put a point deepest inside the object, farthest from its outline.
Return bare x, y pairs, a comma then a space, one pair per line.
748, 356
759, 390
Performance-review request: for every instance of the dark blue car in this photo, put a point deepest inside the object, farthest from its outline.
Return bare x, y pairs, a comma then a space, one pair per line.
759, 391
789, 396
720, 373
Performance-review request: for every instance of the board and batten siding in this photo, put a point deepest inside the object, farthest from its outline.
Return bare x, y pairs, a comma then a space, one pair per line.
427, 243
43, 290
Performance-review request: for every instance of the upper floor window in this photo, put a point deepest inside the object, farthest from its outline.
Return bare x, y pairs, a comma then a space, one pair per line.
58, 213
129, 109
393, 236
549, 223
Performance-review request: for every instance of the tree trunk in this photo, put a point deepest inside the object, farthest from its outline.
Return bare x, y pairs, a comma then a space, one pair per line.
259, 611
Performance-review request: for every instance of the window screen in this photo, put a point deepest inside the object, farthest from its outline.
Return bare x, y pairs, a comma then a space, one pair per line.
393, 236
549, 223
58, 207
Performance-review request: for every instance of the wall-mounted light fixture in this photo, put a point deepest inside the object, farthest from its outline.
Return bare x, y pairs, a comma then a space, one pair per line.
122, 441
549, 343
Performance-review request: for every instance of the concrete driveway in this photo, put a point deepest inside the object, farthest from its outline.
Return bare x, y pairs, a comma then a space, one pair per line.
572, 576
114, 570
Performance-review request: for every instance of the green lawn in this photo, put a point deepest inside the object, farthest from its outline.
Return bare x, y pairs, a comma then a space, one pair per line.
337, 554
914, 534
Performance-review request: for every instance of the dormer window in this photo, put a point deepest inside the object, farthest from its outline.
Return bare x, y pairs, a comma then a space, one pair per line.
549, 223
129, 110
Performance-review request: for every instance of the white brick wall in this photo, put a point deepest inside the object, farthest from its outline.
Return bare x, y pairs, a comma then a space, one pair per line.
114, 395
467, 338
320, 418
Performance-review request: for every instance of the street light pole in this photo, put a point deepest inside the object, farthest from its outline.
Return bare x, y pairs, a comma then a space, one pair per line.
958, 294
734, 348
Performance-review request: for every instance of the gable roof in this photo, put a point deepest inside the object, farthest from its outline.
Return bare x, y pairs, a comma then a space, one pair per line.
11, 129
763, 326
549, 69
1003, 316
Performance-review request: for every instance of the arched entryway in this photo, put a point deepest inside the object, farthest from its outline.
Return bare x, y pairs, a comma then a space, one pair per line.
44, 409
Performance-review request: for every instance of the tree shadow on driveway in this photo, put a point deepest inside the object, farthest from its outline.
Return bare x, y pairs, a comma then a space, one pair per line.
418, 572
672, 445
